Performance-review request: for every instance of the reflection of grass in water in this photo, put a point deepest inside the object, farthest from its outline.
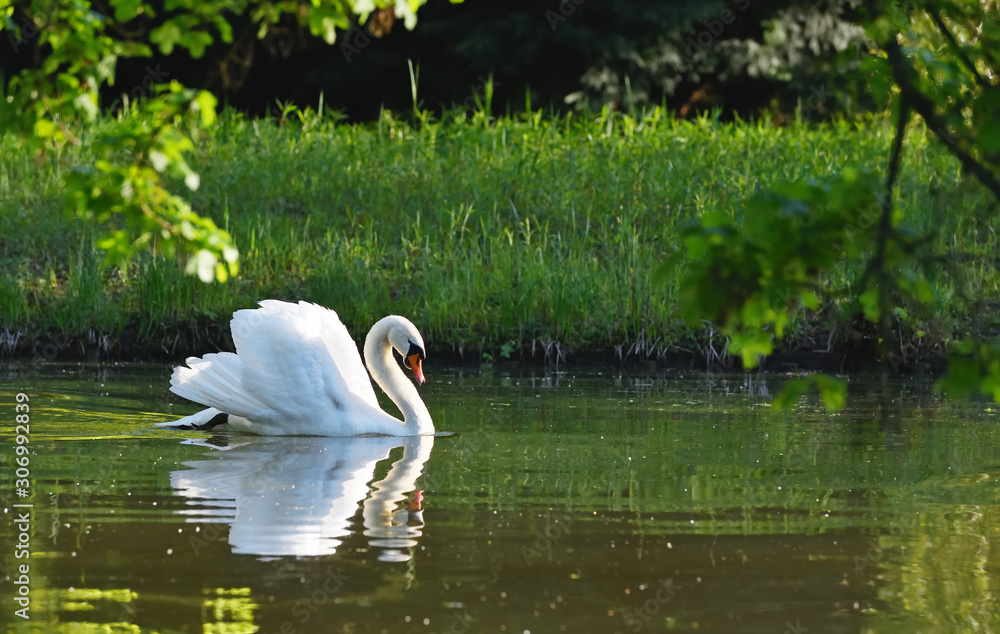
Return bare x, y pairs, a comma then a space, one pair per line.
725, 461
109, 418
74, 401
957, 543
85, 609
526, 231
79, 417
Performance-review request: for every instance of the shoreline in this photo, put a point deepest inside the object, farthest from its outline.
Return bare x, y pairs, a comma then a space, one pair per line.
790, 356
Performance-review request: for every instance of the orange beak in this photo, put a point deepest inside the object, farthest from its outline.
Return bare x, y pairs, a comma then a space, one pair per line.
414, 362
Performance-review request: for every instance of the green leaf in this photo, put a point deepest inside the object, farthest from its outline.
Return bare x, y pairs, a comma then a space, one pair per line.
809, 299
166, 36
963, 347
202, 264
662, 274
224, 28
44, 128
324, 22
750, 346
126, 10
221, 273
715, 219
833, 391
106, 68
204, 104
196, 42
86, 103
328, 29
791, 392
990, 384
158, 160
406, 9
989, 136
871, 304
925, 293
696, 245
962, 378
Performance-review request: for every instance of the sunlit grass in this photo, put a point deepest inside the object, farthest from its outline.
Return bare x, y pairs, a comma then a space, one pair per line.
493, 236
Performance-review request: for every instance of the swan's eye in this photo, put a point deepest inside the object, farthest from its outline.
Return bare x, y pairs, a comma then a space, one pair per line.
414, 351
414, 357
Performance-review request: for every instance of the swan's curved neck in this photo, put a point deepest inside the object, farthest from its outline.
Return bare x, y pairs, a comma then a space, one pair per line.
384, 369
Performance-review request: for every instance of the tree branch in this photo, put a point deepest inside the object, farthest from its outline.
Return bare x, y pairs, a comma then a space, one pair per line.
936, 17
923, 105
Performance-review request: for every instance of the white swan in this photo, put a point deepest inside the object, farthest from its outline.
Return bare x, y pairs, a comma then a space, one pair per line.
296, 371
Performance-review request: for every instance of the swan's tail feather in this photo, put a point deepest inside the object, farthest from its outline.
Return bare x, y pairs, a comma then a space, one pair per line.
214, 375
201, 421
214, 380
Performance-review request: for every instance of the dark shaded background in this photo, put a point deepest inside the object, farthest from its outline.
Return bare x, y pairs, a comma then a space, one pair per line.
743, 56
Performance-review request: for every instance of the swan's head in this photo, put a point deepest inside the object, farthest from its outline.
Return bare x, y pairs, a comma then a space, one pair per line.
405, 339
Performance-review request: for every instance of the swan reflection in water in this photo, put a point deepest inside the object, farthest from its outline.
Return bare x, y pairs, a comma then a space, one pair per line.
298, 495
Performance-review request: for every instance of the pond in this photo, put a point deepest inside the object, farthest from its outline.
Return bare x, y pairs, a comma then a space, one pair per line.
561, 502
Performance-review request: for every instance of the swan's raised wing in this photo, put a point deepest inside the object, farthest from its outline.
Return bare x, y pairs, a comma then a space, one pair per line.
305, 347
344, 351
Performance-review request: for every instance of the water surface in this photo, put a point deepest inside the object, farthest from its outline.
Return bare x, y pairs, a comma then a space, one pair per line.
573, 502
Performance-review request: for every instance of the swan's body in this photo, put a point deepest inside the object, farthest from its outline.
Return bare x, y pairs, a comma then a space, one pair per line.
296, 371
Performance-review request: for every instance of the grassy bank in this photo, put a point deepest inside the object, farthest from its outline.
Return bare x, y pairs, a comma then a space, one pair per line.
516, 237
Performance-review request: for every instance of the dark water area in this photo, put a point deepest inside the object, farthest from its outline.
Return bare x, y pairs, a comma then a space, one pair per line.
572, 502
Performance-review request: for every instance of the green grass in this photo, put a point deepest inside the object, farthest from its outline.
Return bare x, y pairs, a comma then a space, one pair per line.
501, 237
